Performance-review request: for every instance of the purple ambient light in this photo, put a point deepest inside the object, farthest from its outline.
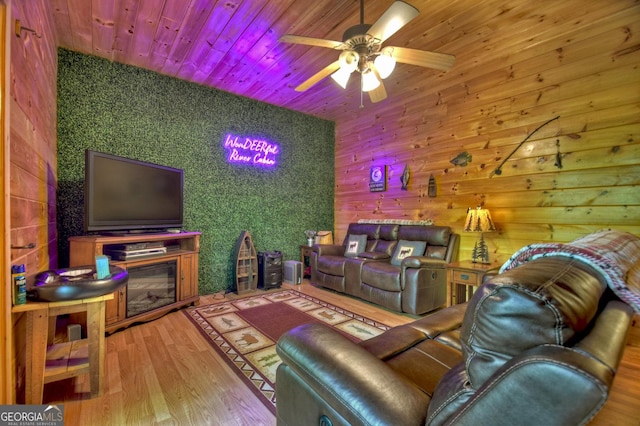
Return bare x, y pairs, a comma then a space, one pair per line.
256, 152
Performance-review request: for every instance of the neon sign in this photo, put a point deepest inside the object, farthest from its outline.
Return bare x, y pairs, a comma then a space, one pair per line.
256, 152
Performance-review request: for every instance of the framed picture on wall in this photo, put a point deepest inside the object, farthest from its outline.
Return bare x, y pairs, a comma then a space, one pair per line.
378, 179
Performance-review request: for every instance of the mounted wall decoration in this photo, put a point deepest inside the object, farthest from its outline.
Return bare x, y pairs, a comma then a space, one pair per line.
378, 179
498, 170
432, 187
404, 179
19, 29
558, 162
462, 159
255, 152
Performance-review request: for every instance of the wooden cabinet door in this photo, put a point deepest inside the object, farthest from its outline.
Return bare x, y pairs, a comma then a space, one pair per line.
188, 286
115, 308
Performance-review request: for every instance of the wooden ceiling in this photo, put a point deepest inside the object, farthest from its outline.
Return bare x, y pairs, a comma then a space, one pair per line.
232, 45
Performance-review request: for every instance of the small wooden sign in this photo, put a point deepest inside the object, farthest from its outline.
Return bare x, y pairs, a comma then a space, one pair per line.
378, 179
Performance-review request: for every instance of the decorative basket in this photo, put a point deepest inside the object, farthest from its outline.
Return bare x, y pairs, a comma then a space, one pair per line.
324, 237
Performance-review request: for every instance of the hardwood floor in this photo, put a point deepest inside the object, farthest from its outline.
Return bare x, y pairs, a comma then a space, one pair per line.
165, 373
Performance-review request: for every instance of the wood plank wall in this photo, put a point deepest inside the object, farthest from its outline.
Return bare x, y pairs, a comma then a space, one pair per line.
33, 138
6, 348
530, 62
32, 151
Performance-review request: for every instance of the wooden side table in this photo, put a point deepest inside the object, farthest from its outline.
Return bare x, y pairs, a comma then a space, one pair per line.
305, 258
464, 278
48, 362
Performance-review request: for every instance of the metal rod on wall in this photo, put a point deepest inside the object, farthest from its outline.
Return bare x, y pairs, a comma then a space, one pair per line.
19, 28
498, 170
28, 246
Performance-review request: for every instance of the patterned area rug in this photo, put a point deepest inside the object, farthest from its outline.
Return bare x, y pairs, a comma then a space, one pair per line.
245, 332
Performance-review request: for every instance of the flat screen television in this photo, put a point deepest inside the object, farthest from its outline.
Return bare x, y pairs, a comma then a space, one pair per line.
125, 195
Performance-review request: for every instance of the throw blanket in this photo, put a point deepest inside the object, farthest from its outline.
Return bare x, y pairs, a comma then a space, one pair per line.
614, 254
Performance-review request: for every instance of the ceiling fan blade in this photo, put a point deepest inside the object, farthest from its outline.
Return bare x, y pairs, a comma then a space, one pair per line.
423, 58
395, 17
323, 73
379, 93
311, 41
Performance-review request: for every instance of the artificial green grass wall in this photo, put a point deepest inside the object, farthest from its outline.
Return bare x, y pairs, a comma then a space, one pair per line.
134, 113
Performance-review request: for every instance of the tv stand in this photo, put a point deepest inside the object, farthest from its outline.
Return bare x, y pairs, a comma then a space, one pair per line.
182, 248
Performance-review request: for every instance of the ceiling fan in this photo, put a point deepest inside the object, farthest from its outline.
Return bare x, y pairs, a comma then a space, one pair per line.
362, 51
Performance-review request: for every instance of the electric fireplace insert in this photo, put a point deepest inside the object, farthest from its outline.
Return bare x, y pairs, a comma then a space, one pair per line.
150, 287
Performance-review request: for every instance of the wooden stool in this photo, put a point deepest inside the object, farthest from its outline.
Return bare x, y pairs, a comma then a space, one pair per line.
47, 362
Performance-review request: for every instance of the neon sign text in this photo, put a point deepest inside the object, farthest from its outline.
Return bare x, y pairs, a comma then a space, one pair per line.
256, 152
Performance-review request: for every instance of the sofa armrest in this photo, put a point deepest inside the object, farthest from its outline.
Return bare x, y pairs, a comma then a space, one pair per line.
328, 250
447, 319
610, 330
490, 274
570, 385
423, 262
358, 386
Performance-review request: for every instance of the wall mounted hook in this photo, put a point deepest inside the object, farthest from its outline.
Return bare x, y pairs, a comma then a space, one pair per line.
23, 247
19, 29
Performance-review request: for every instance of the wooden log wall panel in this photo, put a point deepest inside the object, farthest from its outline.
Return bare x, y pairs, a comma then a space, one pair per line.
188, 36
245, 40
148, 18
62, 22
306, 17
591, 196
102, 27
212, 52
619, 148
167, 32
33, 138
7, 360
256, 49
84, 27
126, 17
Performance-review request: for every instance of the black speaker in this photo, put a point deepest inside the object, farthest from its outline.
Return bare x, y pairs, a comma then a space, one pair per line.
269, 269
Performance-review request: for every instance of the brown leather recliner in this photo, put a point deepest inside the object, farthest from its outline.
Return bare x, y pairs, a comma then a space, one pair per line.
538, 344
415, 283
328, 261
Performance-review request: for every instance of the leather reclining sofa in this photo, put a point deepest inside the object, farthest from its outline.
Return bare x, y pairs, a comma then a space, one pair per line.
536, 345
400, 267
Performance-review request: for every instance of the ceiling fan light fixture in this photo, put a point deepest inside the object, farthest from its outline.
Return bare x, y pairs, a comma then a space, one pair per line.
369, 81
385, 63
341, 77
349, 61
362, 51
